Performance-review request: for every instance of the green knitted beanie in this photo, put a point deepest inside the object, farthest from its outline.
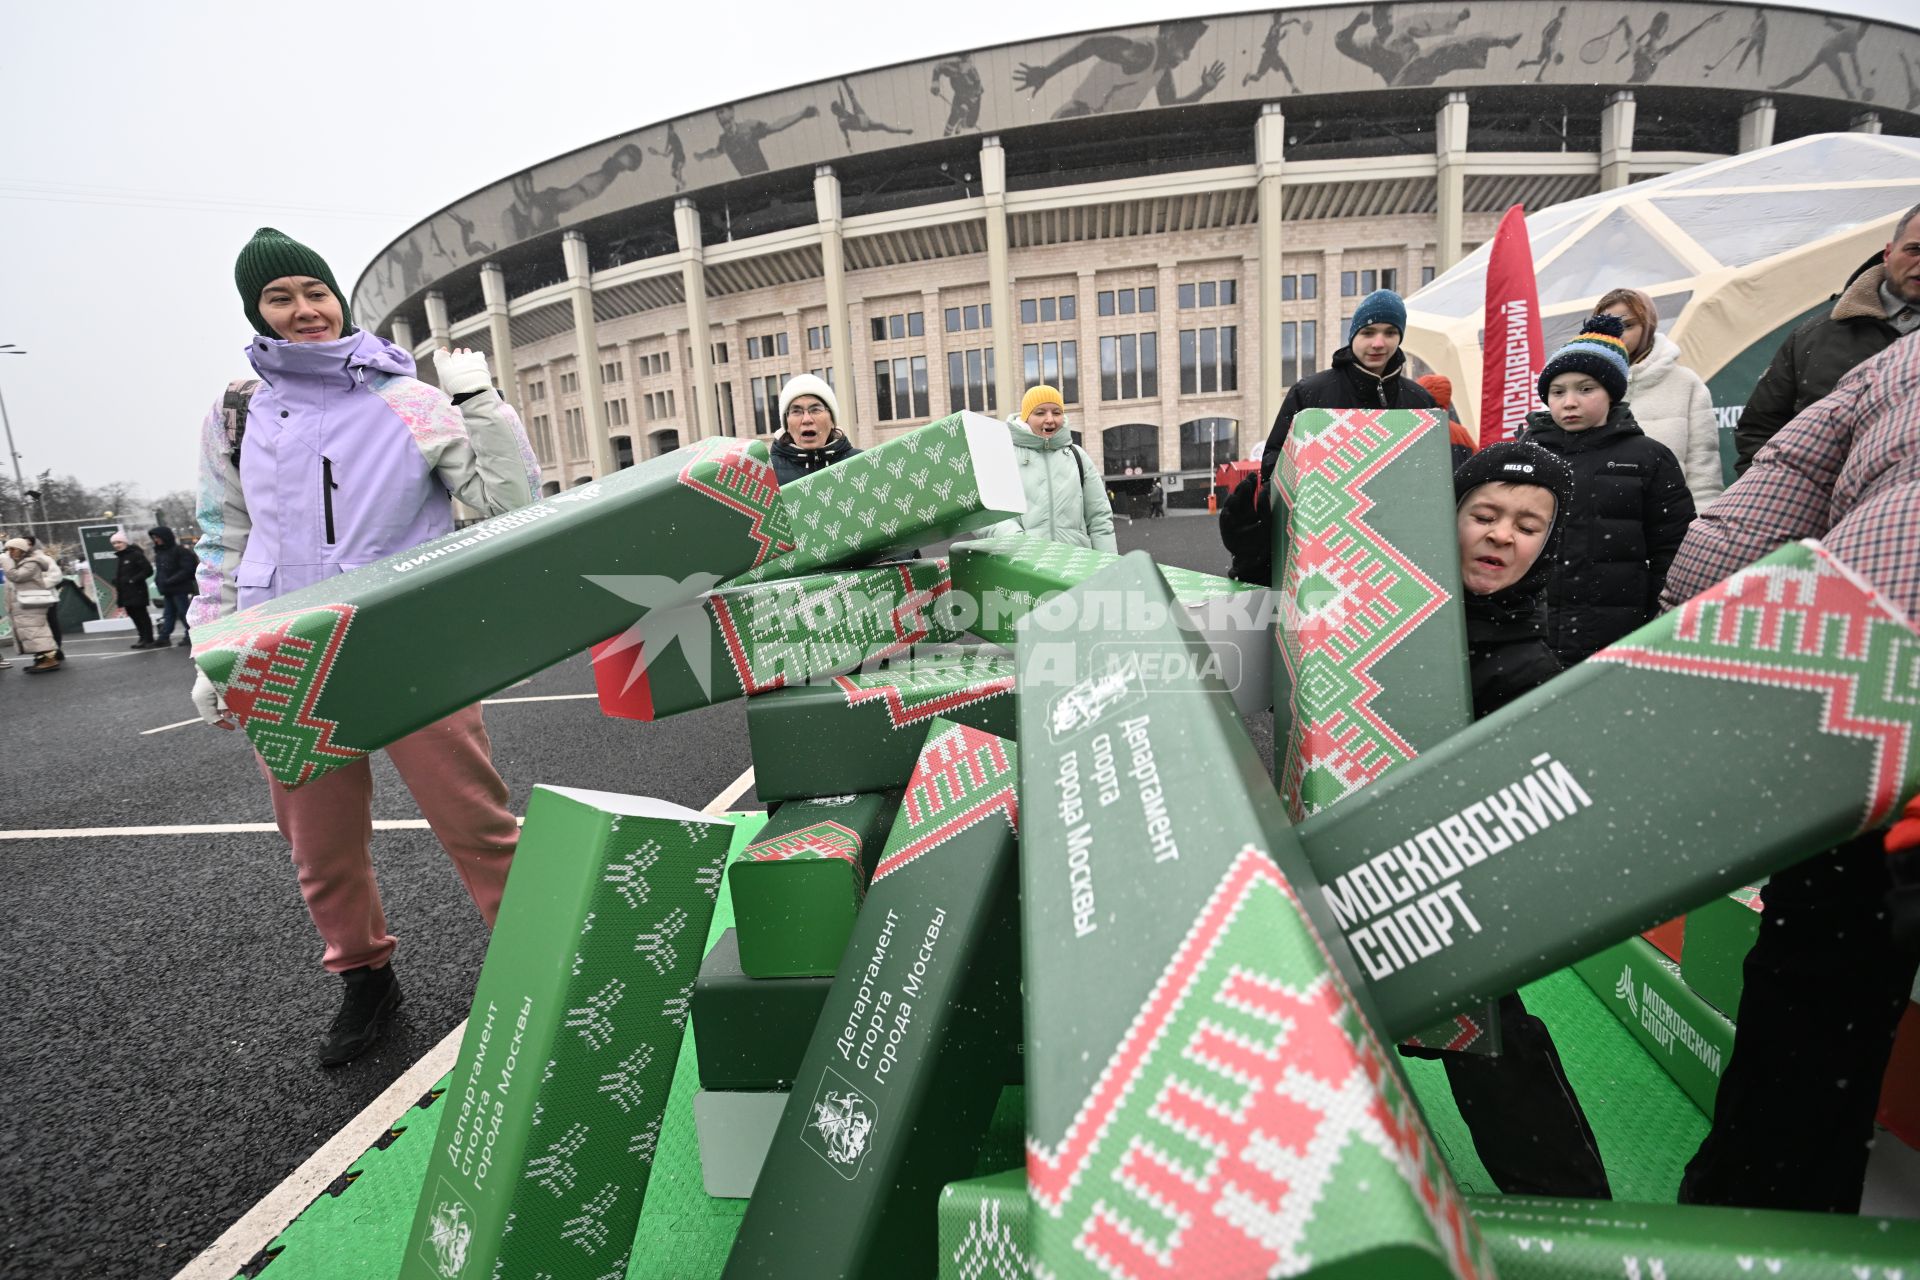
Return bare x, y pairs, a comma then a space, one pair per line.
272, 255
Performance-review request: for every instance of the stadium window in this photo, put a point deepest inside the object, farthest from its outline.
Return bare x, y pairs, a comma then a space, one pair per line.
1309, 287
1288, 288
1029, 311
753, 348
1390, 278
1104, 302
883, 389
1183, 297
1349, 283
953, 319
1129, 367
970, 317
1069, 306
1229, 292
1426, 275
916, 327
1049, 310
879, 328
922, 407
897, 327
1125, 297
1309, 352
780, 341
1207, 293
1069, 383
1147, 297
902, 389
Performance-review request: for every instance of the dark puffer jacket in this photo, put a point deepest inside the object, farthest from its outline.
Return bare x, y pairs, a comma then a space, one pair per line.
1631, 507
1815, 357
130, 576
173, 564
1246, 521
790, 461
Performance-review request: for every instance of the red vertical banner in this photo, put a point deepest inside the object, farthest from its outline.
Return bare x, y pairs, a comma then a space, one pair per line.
1511, 354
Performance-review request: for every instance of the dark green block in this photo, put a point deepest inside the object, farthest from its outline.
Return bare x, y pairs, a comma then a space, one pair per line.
864, 732
1679, 1030
898, 1084
1719, 935
750, 1033
798, 886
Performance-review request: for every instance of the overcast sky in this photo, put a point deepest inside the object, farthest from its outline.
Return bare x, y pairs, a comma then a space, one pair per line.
141, 144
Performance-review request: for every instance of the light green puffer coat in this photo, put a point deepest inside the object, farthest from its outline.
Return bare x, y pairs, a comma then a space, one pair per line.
1066, 499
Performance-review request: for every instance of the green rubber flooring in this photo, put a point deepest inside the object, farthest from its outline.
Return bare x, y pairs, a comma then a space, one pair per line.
1647, 1129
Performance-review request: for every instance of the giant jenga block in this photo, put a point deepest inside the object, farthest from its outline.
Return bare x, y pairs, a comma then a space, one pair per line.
798, 885
750, 640
751, 1033
997, 581
952, 475
1719, 935
864, 732
902, 1074
1205, 1093
1546, 831
1540, 1239
983, 1228
1688, 1037
1371, 664
320, 677
548, 1128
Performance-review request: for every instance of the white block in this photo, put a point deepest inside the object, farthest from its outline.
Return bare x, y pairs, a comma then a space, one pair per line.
735, 1130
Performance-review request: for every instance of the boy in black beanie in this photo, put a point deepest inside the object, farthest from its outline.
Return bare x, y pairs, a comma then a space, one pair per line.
1630, 508
1526, 1123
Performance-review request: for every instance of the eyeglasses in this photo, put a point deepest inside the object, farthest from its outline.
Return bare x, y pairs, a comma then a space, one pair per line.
808, 411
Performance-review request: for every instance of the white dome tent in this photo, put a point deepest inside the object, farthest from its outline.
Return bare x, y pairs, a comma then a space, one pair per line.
1734, 253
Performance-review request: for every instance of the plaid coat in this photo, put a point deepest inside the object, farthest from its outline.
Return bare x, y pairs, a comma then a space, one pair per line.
1845, 471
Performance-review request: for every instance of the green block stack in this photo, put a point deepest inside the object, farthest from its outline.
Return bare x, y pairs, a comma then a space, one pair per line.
864, 732
750, 640
899, 1083
1498, 856
1371, 668
998, 581
552, 1114
1719, 935
798, 885
1678, 1029
1205, 1094
320, 677
951, 476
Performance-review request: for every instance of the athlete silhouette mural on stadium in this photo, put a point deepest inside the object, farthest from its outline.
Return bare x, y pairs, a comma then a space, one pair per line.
853, 118
1840, 48
1270, 59
1126, 70
967, 92
1646, 50
740, 140
1549, 55
1417, 50
1753, 44
675, 154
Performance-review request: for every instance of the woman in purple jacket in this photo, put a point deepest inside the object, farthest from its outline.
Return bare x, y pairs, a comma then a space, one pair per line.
335, 458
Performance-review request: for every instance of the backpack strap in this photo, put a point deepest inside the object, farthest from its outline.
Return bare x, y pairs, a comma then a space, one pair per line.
233, 414
1079, 464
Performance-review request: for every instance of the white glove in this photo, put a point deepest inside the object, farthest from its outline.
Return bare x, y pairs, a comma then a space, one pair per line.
461, 371
208, 702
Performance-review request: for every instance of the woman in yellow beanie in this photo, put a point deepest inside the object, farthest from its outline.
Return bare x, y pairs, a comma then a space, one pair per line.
1066, 499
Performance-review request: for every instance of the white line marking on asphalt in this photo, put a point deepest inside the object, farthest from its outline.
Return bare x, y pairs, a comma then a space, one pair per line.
259, 1225
486, 702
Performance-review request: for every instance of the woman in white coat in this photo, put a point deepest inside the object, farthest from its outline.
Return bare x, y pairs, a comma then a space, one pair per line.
1066, 498
1669, 400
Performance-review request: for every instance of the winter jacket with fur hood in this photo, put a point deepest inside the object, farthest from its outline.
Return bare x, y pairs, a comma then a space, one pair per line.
347, 459
1066, 498
35, 571
1671, 404
1813, 359
173, 563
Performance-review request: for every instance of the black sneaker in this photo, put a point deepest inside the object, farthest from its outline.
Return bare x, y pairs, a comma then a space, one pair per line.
371, 996
183, 642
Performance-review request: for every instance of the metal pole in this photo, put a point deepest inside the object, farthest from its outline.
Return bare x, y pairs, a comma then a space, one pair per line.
12, 453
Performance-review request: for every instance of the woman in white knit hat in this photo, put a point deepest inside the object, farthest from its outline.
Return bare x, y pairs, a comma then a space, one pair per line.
809, 437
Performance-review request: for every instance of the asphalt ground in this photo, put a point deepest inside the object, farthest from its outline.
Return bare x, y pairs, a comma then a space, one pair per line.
161, 997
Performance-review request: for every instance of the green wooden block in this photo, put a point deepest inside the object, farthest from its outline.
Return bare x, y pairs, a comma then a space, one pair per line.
551, 1116
1719, 935
955, 474
751, 1033
1540, 1239
864, 732
1677, 1028
899, 1082
749, 640
1545, 832
320, 677
983, 1228
798, 886
1205, 1093
997, 581
1371, 666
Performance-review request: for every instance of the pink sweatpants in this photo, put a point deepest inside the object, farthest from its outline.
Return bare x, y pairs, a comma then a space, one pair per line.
329, 822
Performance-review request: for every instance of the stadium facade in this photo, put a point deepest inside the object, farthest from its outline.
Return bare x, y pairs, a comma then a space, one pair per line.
1096, 210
